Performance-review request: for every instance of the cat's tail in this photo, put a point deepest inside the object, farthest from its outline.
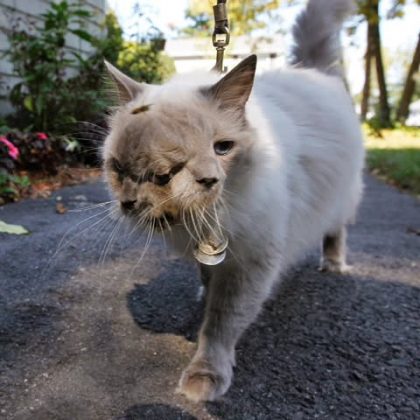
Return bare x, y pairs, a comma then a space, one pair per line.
316, 35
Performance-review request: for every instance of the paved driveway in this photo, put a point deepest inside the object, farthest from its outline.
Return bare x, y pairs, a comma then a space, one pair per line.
84, 335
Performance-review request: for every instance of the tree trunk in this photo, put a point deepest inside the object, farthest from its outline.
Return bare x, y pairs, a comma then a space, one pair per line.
410, 83
384, 112
364, 107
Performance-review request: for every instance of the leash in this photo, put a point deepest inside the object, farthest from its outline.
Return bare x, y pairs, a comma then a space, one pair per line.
221, 34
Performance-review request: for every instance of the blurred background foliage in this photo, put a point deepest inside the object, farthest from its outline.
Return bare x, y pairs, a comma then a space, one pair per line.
245, 16
145, 62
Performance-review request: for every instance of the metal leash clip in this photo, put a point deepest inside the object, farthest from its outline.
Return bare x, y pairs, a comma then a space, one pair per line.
221, 34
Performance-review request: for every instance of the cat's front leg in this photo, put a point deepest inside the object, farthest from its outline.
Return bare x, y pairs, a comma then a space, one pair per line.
234, 297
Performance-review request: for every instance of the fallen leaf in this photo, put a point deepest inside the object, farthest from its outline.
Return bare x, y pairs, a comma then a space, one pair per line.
12, 229
60, 208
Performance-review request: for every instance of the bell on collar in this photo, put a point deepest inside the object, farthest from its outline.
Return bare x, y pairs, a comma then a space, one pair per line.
211, 251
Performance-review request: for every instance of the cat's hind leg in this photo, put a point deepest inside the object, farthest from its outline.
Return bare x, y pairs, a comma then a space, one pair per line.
334, 252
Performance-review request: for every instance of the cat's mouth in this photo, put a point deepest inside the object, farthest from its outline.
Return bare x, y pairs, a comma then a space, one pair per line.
165, 221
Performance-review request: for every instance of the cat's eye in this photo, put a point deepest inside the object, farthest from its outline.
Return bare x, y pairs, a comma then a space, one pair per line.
164, 179
161, 180
223, 147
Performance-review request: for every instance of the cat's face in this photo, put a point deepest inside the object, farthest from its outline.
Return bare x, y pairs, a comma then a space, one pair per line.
171, 149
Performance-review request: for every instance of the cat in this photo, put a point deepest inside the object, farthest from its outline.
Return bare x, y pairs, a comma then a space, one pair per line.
270, 166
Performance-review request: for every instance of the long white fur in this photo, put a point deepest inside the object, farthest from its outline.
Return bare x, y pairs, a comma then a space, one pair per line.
316, 35
311, 184
303, 181
306, 179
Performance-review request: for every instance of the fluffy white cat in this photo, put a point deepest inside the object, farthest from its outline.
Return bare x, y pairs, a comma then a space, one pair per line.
270, 167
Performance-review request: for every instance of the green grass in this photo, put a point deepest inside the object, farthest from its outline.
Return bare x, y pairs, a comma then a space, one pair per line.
395, 157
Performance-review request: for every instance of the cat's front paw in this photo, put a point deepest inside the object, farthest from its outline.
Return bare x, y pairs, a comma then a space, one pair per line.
203, 382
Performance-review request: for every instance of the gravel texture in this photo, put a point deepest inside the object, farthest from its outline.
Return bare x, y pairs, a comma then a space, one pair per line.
87, 331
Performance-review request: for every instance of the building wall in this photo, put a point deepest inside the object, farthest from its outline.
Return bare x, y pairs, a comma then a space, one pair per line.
32, 9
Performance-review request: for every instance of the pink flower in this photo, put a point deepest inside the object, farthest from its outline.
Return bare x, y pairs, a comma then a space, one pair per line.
13, 150
42, 136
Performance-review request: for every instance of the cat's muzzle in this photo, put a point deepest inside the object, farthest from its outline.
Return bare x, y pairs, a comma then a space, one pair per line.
165, 221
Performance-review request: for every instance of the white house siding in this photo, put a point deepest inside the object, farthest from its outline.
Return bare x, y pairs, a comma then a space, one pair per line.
32, 9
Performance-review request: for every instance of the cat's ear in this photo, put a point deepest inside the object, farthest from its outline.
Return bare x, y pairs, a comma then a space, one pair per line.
128, 88
234, 89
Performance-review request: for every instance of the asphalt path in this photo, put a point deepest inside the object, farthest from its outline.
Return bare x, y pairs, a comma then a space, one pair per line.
89, 330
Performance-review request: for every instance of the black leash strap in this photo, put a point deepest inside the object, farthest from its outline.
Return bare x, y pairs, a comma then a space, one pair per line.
221, 34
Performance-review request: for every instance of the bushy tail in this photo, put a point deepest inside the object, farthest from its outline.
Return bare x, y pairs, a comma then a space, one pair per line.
316, 35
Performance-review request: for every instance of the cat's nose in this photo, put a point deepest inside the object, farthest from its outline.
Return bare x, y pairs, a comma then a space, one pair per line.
128, 205
208, 182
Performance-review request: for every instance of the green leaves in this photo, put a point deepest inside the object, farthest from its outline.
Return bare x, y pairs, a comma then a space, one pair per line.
143, 63
12, 229
28, 103
11, 186
82, 13
82, 34
46, 95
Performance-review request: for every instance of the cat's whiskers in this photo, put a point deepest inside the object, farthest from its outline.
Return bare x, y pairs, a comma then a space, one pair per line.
80, 137
65, 241
207, 224
168, 225
197, 227
108, 242
170, 198
162, 230
87, 208
140, 221
216, 218
93, 127
185, 223
151, 228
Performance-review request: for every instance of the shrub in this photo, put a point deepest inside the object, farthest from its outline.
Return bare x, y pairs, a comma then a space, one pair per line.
91, 101
111, 45
11, 185
8, 155
144, 62
48, 100
43, 99
38, 151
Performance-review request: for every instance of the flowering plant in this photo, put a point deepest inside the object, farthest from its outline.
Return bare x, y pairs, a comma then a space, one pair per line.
42, 136
13, 151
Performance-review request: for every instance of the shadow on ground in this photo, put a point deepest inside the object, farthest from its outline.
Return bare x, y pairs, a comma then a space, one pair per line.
327, 345
169, 303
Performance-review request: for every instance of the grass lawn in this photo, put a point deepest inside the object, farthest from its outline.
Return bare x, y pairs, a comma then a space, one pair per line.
395, 157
